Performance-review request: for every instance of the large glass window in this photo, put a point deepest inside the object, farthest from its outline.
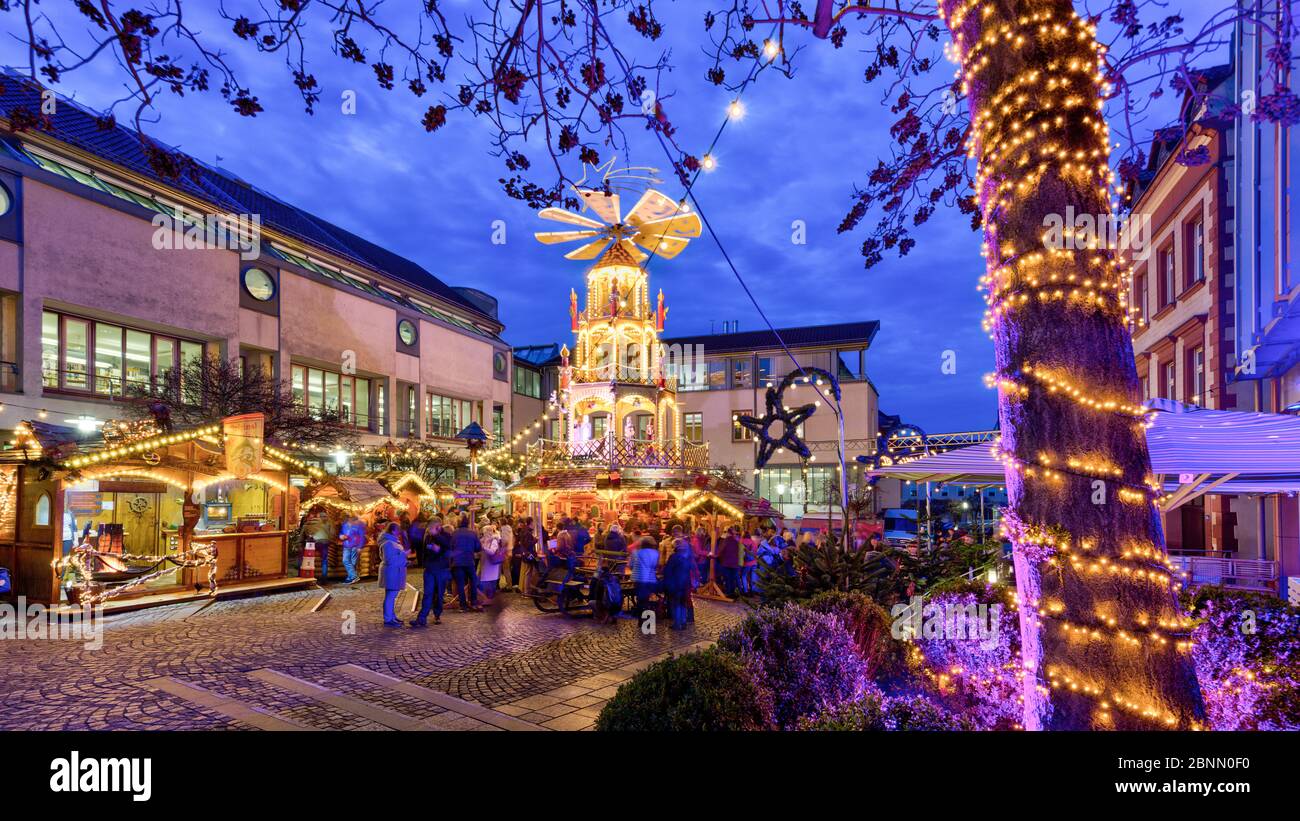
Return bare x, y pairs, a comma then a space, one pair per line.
692, 374
1194, 251
740, 433
445, 416
50, 350
76, 353
1196, 376
780, 485
1140, 297
1167, 280
138, 368
319, 389
528, 382
408, 427
717, 378
108, 358
123, 358
693, 427
851, 365
741, 370
822, 485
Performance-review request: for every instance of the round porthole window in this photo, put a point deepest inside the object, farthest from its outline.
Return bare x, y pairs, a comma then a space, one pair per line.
6, 201
406, 331
499, 363
259, 284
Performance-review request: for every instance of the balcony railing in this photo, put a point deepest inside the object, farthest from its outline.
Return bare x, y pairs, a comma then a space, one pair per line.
1241, 574
630, 374
616, 452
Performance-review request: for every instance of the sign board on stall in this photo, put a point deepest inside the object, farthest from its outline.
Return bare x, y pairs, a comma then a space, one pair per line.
85, 503
243, 443
190, 513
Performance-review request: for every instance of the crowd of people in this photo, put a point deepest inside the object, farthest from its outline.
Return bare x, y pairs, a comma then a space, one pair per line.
507, 554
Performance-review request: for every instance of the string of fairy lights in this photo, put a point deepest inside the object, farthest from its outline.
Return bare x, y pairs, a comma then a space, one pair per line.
1028, 131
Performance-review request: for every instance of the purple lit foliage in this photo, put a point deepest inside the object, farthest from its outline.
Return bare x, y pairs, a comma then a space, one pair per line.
976, 678
1282, 108
1247, 657
875, 712
806, 660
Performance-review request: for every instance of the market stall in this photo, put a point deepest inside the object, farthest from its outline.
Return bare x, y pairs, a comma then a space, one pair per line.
416, 495
339, 498
715, 505
146, 513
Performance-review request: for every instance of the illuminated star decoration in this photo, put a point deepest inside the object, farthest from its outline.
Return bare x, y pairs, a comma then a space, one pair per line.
785, 420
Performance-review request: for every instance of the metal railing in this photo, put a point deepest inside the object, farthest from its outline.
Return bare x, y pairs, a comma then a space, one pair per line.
616, 452
1241, 574
630, 374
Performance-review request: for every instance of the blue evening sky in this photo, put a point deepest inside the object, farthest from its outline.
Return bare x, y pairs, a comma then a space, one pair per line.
796, 155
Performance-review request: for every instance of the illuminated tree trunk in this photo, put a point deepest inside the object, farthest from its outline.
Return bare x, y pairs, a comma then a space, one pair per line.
1102, 637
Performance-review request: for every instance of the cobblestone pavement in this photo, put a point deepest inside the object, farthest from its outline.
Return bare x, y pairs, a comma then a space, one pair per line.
272, 663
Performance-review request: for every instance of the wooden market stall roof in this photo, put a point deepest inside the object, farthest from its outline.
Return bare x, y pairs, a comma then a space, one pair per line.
726, 498
86, 453
357, 490
395, 480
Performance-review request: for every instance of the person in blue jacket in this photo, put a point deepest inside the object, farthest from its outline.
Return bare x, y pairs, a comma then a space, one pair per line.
437, 571
677, 582
392, 571
465, 547
353, 537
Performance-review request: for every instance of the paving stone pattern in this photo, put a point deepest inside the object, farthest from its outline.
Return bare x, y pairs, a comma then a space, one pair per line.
545, 669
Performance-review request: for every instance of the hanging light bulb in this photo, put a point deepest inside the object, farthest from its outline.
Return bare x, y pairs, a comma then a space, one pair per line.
736, 110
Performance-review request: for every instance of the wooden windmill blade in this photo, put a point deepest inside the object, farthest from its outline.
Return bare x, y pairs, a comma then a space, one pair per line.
561, 215
662, 246
684, 226
654, 206
554, 237
603, 205
589, 251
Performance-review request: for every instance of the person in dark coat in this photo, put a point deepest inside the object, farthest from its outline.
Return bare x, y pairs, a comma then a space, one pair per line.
465, 547
415, 537
437, 571
392, 571
523, 557
581, 536
677, 582
729, 562
615, 541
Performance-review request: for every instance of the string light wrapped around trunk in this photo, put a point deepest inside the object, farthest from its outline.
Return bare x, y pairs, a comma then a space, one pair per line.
1083, 517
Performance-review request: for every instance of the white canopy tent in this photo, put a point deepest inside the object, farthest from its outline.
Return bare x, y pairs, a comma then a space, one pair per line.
1192, 453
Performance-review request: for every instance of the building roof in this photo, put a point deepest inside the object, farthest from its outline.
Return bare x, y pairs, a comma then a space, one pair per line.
1214, 86
617, 254
802, 337
539, 356
81, 128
